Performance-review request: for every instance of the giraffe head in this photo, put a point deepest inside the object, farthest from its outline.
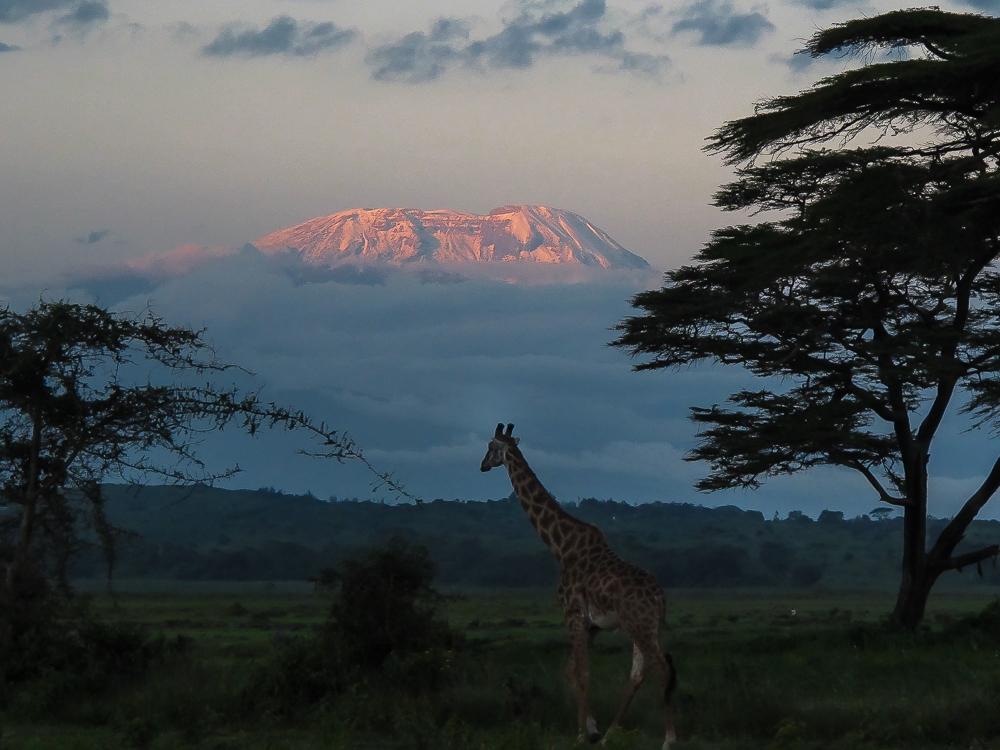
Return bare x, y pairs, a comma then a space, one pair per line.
498, 446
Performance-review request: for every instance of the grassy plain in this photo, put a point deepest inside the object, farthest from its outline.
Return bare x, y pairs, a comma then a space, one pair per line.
758, 670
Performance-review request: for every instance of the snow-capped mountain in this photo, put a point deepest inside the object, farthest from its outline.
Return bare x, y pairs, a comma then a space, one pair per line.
404, 236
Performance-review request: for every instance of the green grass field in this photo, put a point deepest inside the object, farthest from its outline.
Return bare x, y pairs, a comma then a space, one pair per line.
752, 675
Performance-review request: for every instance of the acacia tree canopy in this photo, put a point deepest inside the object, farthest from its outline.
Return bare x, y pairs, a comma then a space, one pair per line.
870, 291
86, 394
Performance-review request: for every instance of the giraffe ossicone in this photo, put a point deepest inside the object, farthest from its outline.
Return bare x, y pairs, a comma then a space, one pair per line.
597, 589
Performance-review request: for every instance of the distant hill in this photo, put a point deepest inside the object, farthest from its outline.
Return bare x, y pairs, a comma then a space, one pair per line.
204, 533
403, 236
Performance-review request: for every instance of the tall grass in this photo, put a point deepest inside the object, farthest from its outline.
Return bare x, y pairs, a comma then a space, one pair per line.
753, 683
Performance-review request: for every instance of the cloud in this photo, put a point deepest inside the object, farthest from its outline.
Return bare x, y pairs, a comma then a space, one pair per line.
419, 57
85, 14
118, 281
304, 273
440, 276
93, 237
8, 48
536, 32
797, 62
720, 26
823, 4
114, 282
571, 32
283, 36
991, 7
12, 11
110, 288
644, 22
420, 375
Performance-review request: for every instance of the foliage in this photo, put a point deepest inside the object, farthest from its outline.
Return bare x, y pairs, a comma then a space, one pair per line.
384, 624
86, 394
213, 534
872, 294
983, 626
60, 649
384, 604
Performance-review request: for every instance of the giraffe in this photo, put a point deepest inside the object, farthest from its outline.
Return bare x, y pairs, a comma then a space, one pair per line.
597, 590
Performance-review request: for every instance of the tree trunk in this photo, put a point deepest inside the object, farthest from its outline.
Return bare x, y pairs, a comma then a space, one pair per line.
22, 548
916, 583
912, 600
921, 568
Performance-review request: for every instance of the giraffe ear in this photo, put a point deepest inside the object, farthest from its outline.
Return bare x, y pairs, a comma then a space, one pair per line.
499, 432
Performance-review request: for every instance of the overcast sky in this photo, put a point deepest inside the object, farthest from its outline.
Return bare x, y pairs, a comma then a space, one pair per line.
131, 129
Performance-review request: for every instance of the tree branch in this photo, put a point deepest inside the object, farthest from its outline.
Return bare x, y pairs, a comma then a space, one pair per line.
871, 401
960, 561
340, 445
883, 495
955, 530
946, 385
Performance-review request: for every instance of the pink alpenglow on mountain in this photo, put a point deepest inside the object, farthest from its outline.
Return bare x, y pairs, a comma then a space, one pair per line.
401, 236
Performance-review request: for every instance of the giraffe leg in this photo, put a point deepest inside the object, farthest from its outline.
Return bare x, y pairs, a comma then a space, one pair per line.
578, 673
634, 681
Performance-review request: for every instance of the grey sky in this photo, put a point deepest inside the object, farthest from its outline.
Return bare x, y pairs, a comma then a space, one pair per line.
213, 123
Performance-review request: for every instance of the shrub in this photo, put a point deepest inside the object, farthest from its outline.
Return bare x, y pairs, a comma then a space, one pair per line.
383, 625
982, 626
384, 604
52, 647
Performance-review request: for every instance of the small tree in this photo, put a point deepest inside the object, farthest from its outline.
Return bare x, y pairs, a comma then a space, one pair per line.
86, 393
872, 295
384, 603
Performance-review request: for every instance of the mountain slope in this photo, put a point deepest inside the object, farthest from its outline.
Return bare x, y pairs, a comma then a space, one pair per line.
402, 236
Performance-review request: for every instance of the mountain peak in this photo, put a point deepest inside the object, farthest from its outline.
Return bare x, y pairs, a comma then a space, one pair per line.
402, 236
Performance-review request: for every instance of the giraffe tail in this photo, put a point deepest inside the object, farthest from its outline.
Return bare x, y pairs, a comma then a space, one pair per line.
672, 681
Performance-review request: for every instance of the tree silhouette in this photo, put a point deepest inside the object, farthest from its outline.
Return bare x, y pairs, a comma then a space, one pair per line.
86, 394
871, 291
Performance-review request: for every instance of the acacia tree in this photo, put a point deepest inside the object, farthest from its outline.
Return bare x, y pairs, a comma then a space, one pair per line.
86, 394
869, 298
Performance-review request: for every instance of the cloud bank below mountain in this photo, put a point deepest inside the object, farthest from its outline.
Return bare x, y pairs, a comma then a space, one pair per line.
421, 372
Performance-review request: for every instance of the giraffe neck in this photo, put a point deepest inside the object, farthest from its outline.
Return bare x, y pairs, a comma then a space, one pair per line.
554, 525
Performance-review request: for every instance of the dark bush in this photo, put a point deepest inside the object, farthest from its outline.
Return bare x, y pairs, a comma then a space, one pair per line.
384, 603
982, 626
383, 625
53, 648
298, 674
